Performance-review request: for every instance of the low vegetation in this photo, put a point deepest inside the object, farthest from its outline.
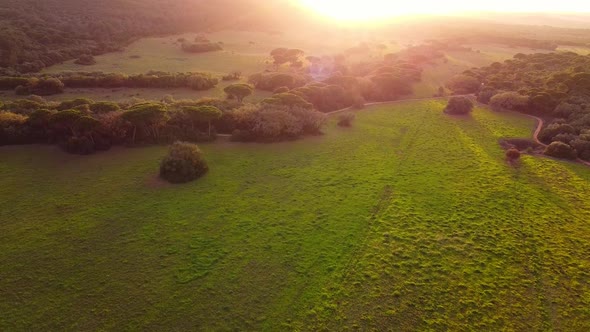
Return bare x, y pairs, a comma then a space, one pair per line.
274, 122
201, 47
44, 85
183, 163
346, 119
83, 126
459, 106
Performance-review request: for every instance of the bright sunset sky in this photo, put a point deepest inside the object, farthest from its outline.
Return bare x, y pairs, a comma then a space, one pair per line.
375, 9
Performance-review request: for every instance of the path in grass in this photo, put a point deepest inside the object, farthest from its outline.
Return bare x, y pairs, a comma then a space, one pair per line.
409, 220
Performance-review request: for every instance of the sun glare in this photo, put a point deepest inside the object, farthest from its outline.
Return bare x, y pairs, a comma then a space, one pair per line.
362, 10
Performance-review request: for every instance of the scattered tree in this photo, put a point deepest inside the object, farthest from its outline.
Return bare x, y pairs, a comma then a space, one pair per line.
149, 117
238, 91
204, 113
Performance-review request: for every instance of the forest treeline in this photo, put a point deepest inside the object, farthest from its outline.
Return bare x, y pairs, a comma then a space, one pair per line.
45, 85
35, 34
555, 86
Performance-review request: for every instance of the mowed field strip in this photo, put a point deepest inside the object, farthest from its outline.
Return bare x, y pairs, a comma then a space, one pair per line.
409, 220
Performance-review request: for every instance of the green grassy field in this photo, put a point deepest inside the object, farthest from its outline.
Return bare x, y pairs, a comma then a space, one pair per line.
410, 220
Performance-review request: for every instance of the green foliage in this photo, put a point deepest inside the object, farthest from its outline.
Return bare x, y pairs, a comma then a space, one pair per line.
238, 91
11, 83
288, 99
547, 134
272, 81
104, 107
561, 150
65, 119
390, 86
287, 55
463, 84
41, 117
512, 154
46, 87
201, 47
86, 60
512, 101
70, 104
184, 163
203, 113
270, 122
81, 145
485, 95
11, 119
582, 146
12, 130
23, 106
55, 83
459, 106
57, 31
149, 118
346, 119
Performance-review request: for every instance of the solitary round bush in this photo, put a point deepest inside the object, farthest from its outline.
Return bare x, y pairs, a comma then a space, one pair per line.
561, 150
86, 60
513, 154
183, 163
459, 106
345, 120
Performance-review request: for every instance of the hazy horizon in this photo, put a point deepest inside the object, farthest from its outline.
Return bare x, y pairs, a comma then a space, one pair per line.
353, 10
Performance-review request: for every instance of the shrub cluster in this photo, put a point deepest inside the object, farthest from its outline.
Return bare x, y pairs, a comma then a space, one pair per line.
44, 85
83, 126
273, 122
183, 163
86, 60
561, 150
201, 47
346, 119
459, 106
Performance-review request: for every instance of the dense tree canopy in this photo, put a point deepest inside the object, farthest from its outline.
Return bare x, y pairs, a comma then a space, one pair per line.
552, 85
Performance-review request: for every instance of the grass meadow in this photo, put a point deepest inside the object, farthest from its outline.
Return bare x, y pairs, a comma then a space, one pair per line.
409, 220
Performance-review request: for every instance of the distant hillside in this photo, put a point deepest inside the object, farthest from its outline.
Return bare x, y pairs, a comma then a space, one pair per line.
38, 33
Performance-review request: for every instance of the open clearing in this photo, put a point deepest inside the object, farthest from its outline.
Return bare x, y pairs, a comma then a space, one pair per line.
410, 220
